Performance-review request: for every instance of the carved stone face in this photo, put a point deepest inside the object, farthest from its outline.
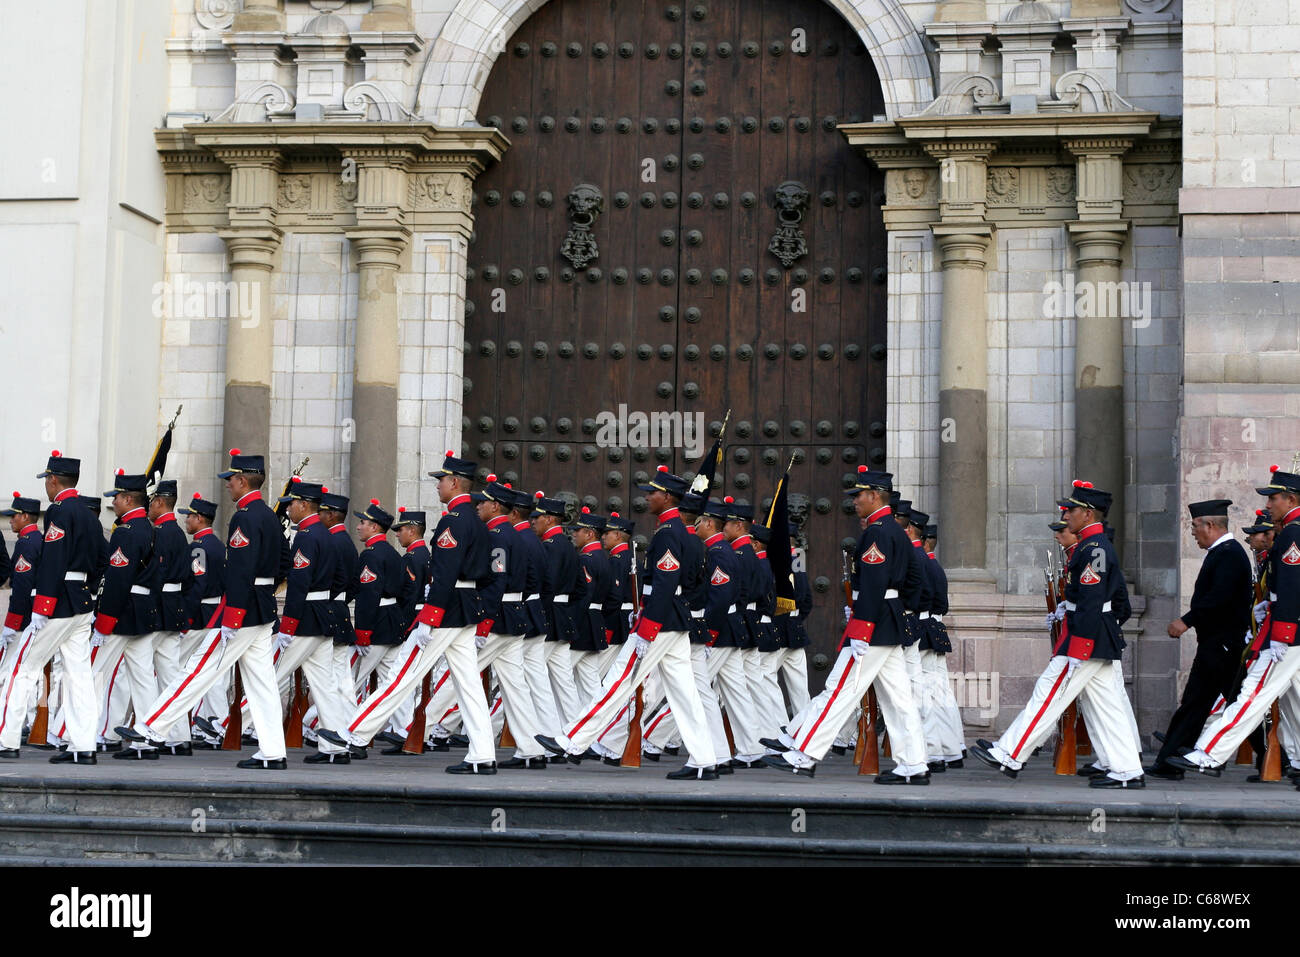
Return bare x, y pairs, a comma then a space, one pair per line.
799, 504
585, 201
914, 181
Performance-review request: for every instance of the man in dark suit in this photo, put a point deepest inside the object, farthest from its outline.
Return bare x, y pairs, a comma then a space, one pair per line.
1220, 614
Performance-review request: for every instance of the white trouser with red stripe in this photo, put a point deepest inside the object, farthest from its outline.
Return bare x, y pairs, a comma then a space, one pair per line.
940, 718
414, 663
662, 731
764, 691
216, 703
586, 672
166, 668
559, 665
1110, 728
605, 658
314, 654
112, 691
251, 648
794, 669
886, 668
504, 654
69, 638
1266, 681
1288, 732
671, 653
9, 666
533, 652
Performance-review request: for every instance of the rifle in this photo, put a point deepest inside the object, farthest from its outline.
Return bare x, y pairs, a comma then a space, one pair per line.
415, 734
38, 736
1067, 743
867, 754
298, 706
632, 750
234, 724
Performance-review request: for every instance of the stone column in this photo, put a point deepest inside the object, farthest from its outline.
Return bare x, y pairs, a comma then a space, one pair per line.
963, 239
1101, 305
260, 16
374, 377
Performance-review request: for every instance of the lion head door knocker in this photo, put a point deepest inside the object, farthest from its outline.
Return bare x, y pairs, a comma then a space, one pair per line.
585, 203
788, 244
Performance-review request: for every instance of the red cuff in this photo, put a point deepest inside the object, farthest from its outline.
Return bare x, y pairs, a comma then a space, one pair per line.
1282, 632
859, 630
14, 620
1080, 647
288, 626
363, 637
609, 635
713, 636
43, 605
484, 627
233, 617
647, 629
431, 615
104, 624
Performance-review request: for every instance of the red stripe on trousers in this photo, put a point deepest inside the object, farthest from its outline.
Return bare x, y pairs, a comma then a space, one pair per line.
385, 693
441, 682
655, 723
188, 678
9, 689
616, 720
1050, 695
631, 663
1237, 717
834, 694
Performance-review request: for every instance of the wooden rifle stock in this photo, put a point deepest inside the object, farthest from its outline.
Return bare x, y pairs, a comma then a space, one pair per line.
1245, 754
1272, 770
632, 750
233, 739
867, 754
726, 729
297, 709
415, 736
1067, 744
38, 736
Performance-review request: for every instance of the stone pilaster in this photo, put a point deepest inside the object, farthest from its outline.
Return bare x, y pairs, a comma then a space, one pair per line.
260, 16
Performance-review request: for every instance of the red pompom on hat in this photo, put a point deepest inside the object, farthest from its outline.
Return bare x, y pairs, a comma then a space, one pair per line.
1087, 485
492, 477
1077, 483
1271, 468
662, 468
611, 514
324, 489
120, 472
235, 452
539, 494
507, 485
196, 495
18, 494
450, 453
56, 454
729, 500
374, 501
862, 468
586, 510
295, 478
400, 508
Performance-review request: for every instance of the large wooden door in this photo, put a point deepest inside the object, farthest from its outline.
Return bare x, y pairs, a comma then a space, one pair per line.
703, 128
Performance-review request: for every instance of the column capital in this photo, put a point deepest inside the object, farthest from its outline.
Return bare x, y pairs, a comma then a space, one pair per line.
251, 247
963, 178
963, 245
378, 246
1098, 145
1098, 243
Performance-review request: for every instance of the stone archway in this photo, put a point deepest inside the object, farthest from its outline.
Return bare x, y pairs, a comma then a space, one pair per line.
477, 31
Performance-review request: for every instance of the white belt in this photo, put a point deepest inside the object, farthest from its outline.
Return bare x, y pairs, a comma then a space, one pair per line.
513, 596
561, 599
74, 576
318, 595
626, 606
462, 583
1106, 607
752, 606
263, 581
731, 609
891, 592
385, 602
855, 594
1071, 606
794, 614
172, 586
924, 616
765, 620
1272, 596
649, 589
419, 605
341, 596
597, 606
533, 597
210, 601
938, 618
139, 590
697, 614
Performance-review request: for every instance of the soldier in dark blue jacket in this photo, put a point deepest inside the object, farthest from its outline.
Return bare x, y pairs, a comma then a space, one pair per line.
1089, 653
871, 651
659, 639
559, 580
940, 716
460, 564
617, 540
60, 617
532, 556
257, 558
793, 628
23, 514
595, 581
207, 555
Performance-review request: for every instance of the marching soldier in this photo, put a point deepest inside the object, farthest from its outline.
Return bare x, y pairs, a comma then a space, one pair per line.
870, 651
202, 600
459, 566
1276, 668
60, 617
660, 638
793, 628
22, 514
618, 612
257, 556
941, 719
531, 551
560, 578
594, 584
1087, 659
173, 578
333, 515
1220, 605
767, 653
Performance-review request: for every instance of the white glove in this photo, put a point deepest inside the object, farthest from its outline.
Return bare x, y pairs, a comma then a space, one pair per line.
631, 620
848, 613
1057, 614
1261, 612
1274, 652
38, 622
423, 634
858, 647
1071, 664
281, 641
96, 638
480, 641
642, 646
361, 650
7, 636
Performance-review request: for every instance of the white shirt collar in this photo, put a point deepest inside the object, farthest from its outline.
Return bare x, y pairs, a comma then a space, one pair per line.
1225, 537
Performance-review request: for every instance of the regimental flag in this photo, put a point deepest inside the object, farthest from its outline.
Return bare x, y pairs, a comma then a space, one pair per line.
778, 549
158, 464
710, 463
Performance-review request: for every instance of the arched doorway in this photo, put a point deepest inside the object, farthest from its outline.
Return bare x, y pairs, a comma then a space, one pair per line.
695, 131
